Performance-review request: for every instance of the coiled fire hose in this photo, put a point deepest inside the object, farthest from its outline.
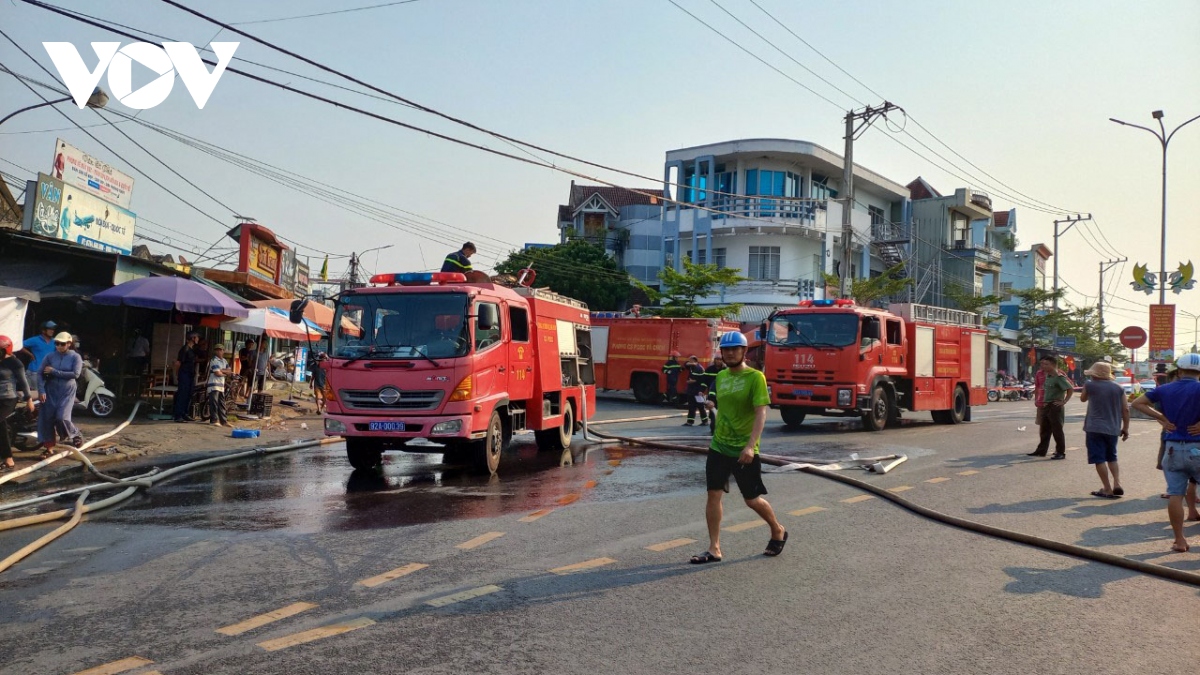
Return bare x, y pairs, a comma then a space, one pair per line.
1083, 553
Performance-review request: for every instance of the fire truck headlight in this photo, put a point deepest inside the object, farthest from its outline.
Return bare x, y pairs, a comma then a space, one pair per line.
447, 427
845, 397
334, 426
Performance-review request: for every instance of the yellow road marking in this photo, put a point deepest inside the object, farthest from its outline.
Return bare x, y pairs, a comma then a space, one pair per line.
674, 543
614, 462
741, 527
535, 515
806, 511
315, 634
264, 619
567, 500
939, 479
968, 473
480, 540
900, 488
585, 565
464, 595
589, 485
860, 498
121, 666
394, 574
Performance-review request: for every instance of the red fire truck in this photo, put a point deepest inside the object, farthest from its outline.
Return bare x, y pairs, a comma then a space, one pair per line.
832, 357
630, 352
465, 365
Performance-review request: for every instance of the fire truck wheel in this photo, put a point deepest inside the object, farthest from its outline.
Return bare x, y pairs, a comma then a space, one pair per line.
485, 453
792, 416
558, 439
876, 417
363, 453
645, 388
959, 412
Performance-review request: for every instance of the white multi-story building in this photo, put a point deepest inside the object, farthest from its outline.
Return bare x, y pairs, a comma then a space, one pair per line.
767, 207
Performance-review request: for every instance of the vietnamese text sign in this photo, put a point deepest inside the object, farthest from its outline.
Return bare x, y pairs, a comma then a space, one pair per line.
301, 279
79, 169
264, 260
287, 273
70, 214
1066, 342
1162, 332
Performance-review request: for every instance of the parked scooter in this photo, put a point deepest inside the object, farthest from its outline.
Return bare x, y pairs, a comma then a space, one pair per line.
91, 394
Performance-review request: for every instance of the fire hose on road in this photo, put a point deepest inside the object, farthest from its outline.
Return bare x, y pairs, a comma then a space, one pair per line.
1160, 571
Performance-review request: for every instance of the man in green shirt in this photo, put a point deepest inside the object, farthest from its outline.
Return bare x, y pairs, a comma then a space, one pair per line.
742, 392
1057, 391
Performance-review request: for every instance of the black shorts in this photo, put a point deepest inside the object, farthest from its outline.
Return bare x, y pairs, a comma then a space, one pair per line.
719, 468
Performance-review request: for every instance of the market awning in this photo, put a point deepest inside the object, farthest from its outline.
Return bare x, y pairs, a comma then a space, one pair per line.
1004, 346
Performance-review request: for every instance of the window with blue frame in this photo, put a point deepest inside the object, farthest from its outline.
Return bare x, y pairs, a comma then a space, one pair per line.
695, 185
764, 183
819, 188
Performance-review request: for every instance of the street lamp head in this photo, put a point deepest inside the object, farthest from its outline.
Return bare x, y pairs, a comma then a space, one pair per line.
1157, 114
98, 99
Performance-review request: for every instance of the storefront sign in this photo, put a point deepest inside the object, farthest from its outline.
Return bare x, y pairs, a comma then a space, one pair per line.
76, 168
302, 283
287, 274
68, 213
264, 260
1162, 332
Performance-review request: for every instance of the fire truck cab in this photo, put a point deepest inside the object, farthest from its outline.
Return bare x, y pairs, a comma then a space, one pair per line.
465, 365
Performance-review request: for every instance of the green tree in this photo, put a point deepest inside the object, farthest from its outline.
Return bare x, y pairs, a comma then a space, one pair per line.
578, 269
1039, 322
681, 291
969, 302
876, 289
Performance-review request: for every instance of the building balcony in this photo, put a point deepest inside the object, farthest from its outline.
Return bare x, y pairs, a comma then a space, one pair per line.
778, 215
985, 256
783, 292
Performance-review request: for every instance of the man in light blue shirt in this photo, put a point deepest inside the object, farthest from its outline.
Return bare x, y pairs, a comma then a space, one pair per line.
39, 346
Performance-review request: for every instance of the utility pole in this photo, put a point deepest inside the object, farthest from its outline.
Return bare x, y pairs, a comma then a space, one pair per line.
1104, 267
1070, 223
352, 274
864, 118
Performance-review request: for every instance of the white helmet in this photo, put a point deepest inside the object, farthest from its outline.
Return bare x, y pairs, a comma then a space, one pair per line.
1188, 362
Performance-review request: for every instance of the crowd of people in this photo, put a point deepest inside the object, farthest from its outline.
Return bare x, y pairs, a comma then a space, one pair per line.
48, 364
1174, 404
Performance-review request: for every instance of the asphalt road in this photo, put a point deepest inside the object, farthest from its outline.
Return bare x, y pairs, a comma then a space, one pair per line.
577, 564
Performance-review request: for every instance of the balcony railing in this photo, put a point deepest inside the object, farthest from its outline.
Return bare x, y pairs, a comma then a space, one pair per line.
986, 253
783, 208
888, 232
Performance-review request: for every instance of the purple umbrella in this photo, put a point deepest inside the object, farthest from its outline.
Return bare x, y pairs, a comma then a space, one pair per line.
170, 293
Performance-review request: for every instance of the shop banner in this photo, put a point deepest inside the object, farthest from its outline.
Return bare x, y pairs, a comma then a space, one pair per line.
302, 283
79, 169
65, 212
1162, 333
287, 274
264, 260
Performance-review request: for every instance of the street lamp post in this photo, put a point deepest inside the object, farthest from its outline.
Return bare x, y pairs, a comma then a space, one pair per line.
98, 99
1195, 329
1164, 139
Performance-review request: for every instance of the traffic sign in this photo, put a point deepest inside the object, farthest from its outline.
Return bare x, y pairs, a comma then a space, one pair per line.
1133, 337
1066, 342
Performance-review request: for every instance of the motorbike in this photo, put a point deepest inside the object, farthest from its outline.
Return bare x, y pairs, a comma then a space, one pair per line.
22, 427
91, 394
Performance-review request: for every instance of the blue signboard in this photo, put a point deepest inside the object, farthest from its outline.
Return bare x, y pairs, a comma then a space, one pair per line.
1065, 342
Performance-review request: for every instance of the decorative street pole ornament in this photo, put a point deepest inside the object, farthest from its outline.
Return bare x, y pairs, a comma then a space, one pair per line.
1144, 280
1183, 279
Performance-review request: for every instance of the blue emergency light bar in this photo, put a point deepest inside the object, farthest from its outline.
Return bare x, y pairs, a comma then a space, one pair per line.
827, 303
419, 278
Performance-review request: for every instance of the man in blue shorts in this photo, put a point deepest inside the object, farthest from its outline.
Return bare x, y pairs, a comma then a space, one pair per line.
1180, 418
733, 452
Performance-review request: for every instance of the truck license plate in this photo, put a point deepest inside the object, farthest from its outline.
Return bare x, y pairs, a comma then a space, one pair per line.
802, 392
385, 426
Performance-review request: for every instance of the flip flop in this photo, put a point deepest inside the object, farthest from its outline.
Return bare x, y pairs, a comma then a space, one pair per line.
1119, 491
775, 546
704, 558
1097, 493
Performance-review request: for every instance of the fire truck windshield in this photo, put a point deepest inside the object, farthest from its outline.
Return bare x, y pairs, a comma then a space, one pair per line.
402, 326
814, 329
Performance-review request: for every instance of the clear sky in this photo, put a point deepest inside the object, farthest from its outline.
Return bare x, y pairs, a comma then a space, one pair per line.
1022, 89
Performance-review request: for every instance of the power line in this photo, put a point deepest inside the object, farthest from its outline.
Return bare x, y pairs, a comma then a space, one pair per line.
339, 11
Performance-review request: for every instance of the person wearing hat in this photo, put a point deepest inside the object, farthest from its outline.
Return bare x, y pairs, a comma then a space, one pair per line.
56, 387
1107, 419
696, 400
12, 383
39, 346
185, 378
218, 369
319, 378
1180, 418
671, 369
